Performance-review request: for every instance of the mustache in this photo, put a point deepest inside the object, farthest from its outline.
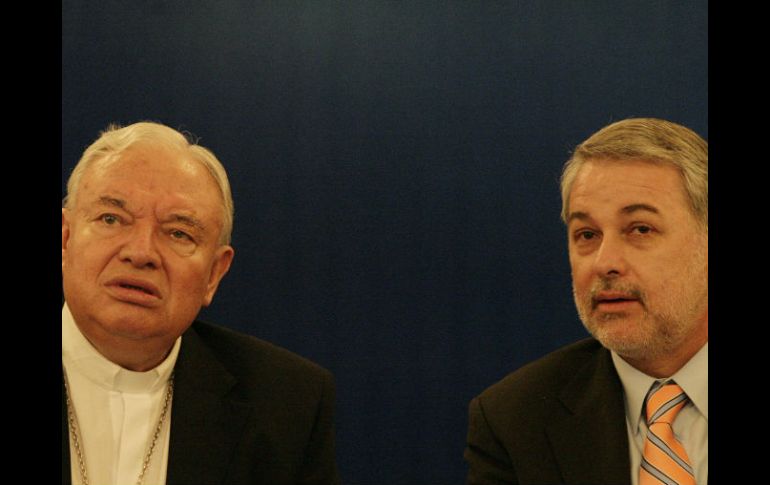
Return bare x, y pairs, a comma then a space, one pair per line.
627, 290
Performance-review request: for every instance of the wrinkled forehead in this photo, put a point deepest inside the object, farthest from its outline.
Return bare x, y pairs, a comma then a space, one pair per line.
150, 161
151, 154
156, 169
629, 187
629, 170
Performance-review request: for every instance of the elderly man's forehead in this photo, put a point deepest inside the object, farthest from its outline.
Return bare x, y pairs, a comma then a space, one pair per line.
149, 154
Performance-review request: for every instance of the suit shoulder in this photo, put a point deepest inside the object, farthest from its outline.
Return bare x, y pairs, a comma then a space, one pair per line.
545, 375
241, 353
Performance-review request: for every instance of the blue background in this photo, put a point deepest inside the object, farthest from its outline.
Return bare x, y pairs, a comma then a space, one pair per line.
395, 173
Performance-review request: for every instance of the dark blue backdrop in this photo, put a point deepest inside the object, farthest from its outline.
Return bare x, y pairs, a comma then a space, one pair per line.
395, 172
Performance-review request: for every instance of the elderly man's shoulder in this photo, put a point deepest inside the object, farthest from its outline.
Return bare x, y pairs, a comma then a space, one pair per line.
249, 357
542, 377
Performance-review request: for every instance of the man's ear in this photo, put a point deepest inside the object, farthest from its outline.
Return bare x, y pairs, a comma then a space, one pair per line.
222, 261
65, 232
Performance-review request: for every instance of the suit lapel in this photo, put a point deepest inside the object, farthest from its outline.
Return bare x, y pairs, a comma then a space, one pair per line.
205, 423
590, 441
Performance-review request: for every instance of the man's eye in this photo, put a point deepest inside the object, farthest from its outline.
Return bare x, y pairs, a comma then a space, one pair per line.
109, 219
180, 235
585, 237
642, 229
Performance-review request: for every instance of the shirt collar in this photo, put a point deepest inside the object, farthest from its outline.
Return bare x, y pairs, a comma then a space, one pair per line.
79, 355
692, 378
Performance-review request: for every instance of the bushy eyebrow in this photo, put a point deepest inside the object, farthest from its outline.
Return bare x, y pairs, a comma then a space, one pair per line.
112, 202
629, 209
582, 216
188, 221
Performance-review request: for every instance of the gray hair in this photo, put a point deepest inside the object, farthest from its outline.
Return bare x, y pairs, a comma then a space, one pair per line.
648, 139
115, 140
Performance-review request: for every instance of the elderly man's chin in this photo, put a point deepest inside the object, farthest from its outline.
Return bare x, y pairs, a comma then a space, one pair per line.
131, 322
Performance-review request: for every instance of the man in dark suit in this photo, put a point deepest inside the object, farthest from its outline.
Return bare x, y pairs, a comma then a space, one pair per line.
630, 405
149, 394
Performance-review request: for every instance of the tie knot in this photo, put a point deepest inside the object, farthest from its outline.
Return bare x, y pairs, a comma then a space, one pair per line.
664, 403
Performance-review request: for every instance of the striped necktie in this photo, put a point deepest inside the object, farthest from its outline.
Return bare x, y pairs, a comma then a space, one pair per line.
664, 459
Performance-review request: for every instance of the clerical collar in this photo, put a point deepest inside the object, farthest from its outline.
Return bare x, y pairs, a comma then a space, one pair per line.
692, 378
78, 352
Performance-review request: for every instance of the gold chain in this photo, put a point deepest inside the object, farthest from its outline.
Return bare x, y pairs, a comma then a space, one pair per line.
74, 427
75, 440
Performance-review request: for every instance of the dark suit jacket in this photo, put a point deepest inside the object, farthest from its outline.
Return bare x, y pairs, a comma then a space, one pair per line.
560, 419
244, 412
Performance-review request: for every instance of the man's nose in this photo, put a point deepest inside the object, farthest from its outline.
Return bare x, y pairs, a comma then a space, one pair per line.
610, 260
140, 248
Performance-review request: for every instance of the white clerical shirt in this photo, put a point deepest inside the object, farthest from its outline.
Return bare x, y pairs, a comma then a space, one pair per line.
691, 426
117, 412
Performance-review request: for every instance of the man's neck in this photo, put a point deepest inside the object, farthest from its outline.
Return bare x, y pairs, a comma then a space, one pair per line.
668, 364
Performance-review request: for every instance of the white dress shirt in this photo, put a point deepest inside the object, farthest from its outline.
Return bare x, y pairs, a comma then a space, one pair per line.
117, 411
691, 425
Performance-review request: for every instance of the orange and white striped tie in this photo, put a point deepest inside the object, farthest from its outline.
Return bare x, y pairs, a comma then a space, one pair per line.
664, 459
